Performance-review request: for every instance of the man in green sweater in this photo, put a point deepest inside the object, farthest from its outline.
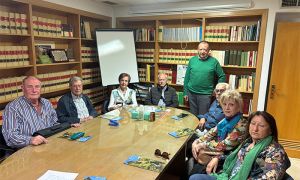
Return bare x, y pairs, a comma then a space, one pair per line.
199, 79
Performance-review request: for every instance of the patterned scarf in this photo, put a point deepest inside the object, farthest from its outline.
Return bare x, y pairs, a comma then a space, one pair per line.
227, 125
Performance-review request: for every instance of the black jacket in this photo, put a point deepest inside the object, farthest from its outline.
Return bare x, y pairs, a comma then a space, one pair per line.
171, 99
66, 110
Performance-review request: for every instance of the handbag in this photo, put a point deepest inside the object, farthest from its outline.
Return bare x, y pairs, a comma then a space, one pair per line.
205, 155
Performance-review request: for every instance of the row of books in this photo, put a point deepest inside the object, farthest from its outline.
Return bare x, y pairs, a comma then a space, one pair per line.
90, 76
14, 56
54, 101
186, 34
244, 83
96, 94
89, 54
13, 23
176, 56
144, 55
145, 34
232, 33
55, 81
235, 57
168, 71
1, 116
146, 74
85, 29
51, 27
10, 88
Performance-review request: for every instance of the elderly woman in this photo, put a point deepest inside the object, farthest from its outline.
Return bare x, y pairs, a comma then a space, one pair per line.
122, 95
259, 157
226, 136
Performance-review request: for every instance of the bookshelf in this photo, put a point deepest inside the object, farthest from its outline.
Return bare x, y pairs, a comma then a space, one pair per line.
240, 35
39, 23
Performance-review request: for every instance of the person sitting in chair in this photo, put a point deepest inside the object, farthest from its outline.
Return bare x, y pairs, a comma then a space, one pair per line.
75, 107
26, 115
162, 95
123, 95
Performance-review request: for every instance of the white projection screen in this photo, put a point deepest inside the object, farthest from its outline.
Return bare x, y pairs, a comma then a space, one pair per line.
116, 51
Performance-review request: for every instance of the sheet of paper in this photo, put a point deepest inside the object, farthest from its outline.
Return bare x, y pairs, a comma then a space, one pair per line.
58, 175
112, 114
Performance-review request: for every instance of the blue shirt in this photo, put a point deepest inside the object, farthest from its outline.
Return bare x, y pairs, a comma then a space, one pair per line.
213, 116
21, 120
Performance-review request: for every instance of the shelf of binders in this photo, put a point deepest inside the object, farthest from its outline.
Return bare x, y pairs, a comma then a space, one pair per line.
58, 64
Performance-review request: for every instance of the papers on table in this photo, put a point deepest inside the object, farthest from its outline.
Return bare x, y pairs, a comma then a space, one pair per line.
58, 175
111, 114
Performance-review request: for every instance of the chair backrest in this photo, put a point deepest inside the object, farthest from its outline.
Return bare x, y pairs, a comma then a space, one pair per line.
105, 106
4, 149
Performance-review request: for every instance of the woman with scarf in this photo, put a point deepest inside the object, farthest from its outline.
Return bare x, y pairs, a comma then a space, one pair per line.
123, 95
259, 157
225, 137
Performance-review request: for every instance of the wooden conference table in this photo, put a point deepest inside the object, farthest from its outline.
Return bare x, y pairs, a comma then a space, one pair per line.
104, 154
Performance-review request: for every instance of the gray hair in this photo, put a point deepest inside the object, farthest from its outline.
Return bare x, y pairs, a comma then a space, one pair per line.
232, 95
226, 85
74, 79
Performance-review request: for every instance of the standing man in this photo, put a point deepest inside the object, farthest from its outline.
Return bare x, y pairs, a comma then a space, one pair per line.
199, 79
26, 115
75, 107
162, 95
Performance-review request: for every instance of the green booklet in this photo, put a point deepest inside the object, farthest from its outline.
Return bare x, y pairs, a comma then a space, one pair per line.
181, 132
145, 163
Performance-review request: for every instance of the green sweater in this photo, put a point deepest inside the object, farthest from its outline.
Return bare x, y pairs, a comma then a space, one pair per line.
200, 75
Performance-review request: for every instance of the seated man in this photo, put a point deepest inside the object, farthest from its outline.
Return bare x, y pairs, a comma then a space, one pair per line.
215, 113
75, 107
26, 115
162, 95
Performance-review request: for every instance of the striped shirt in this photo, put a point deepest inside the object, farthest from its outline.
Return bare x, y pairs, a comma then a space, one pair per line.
21, 120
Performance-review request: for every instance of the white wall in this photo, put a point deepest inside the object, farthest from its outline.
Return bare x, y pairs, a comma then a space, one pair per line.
86, 5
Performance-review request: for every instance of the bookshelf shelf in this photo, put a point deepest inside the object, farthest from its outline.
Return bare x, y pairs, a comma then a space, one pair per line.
55, 38
146, 62
244, 37
16, 67
57, 64
238, 67
145, 41
14, 35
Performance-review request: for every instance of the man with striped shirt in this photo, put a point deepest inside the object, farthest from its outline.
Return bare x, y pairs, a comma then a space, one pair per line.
26, 115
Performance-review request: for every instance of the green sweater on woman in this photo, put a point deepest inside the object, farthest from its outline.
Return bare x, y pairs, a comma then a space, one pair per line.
200, 75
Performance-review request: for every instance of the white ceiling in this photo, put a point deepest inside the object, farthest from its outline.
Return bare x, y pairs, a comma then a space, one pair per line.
137, 2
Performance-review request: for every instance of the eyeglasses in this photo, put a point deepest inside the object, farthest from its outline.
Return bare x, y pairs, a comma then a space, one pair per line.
219, 90
164, 155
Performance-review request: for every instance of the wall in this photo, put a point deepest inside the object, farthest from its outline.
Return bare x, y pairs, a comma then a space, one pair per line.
86, 5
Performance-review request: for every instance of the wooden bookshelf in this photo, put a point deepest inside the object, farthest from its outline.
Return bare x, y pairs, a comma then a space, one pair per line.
203, 20
52, 16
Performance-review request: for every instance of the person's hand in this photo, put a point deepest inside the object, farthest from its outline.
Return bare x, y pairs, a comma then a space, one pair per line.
89, 118
37, 140
201, 123
212, 165
186, 98
75, 125
195, 148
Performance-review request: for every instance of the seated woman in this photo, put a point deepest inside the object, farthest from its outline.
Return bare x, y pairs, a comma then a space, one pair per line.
122, 95
259, 157
226, 136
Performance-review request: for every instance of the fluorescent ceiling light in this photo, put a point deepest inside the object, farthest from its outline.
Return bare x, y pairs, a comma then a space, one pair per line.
191, 6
